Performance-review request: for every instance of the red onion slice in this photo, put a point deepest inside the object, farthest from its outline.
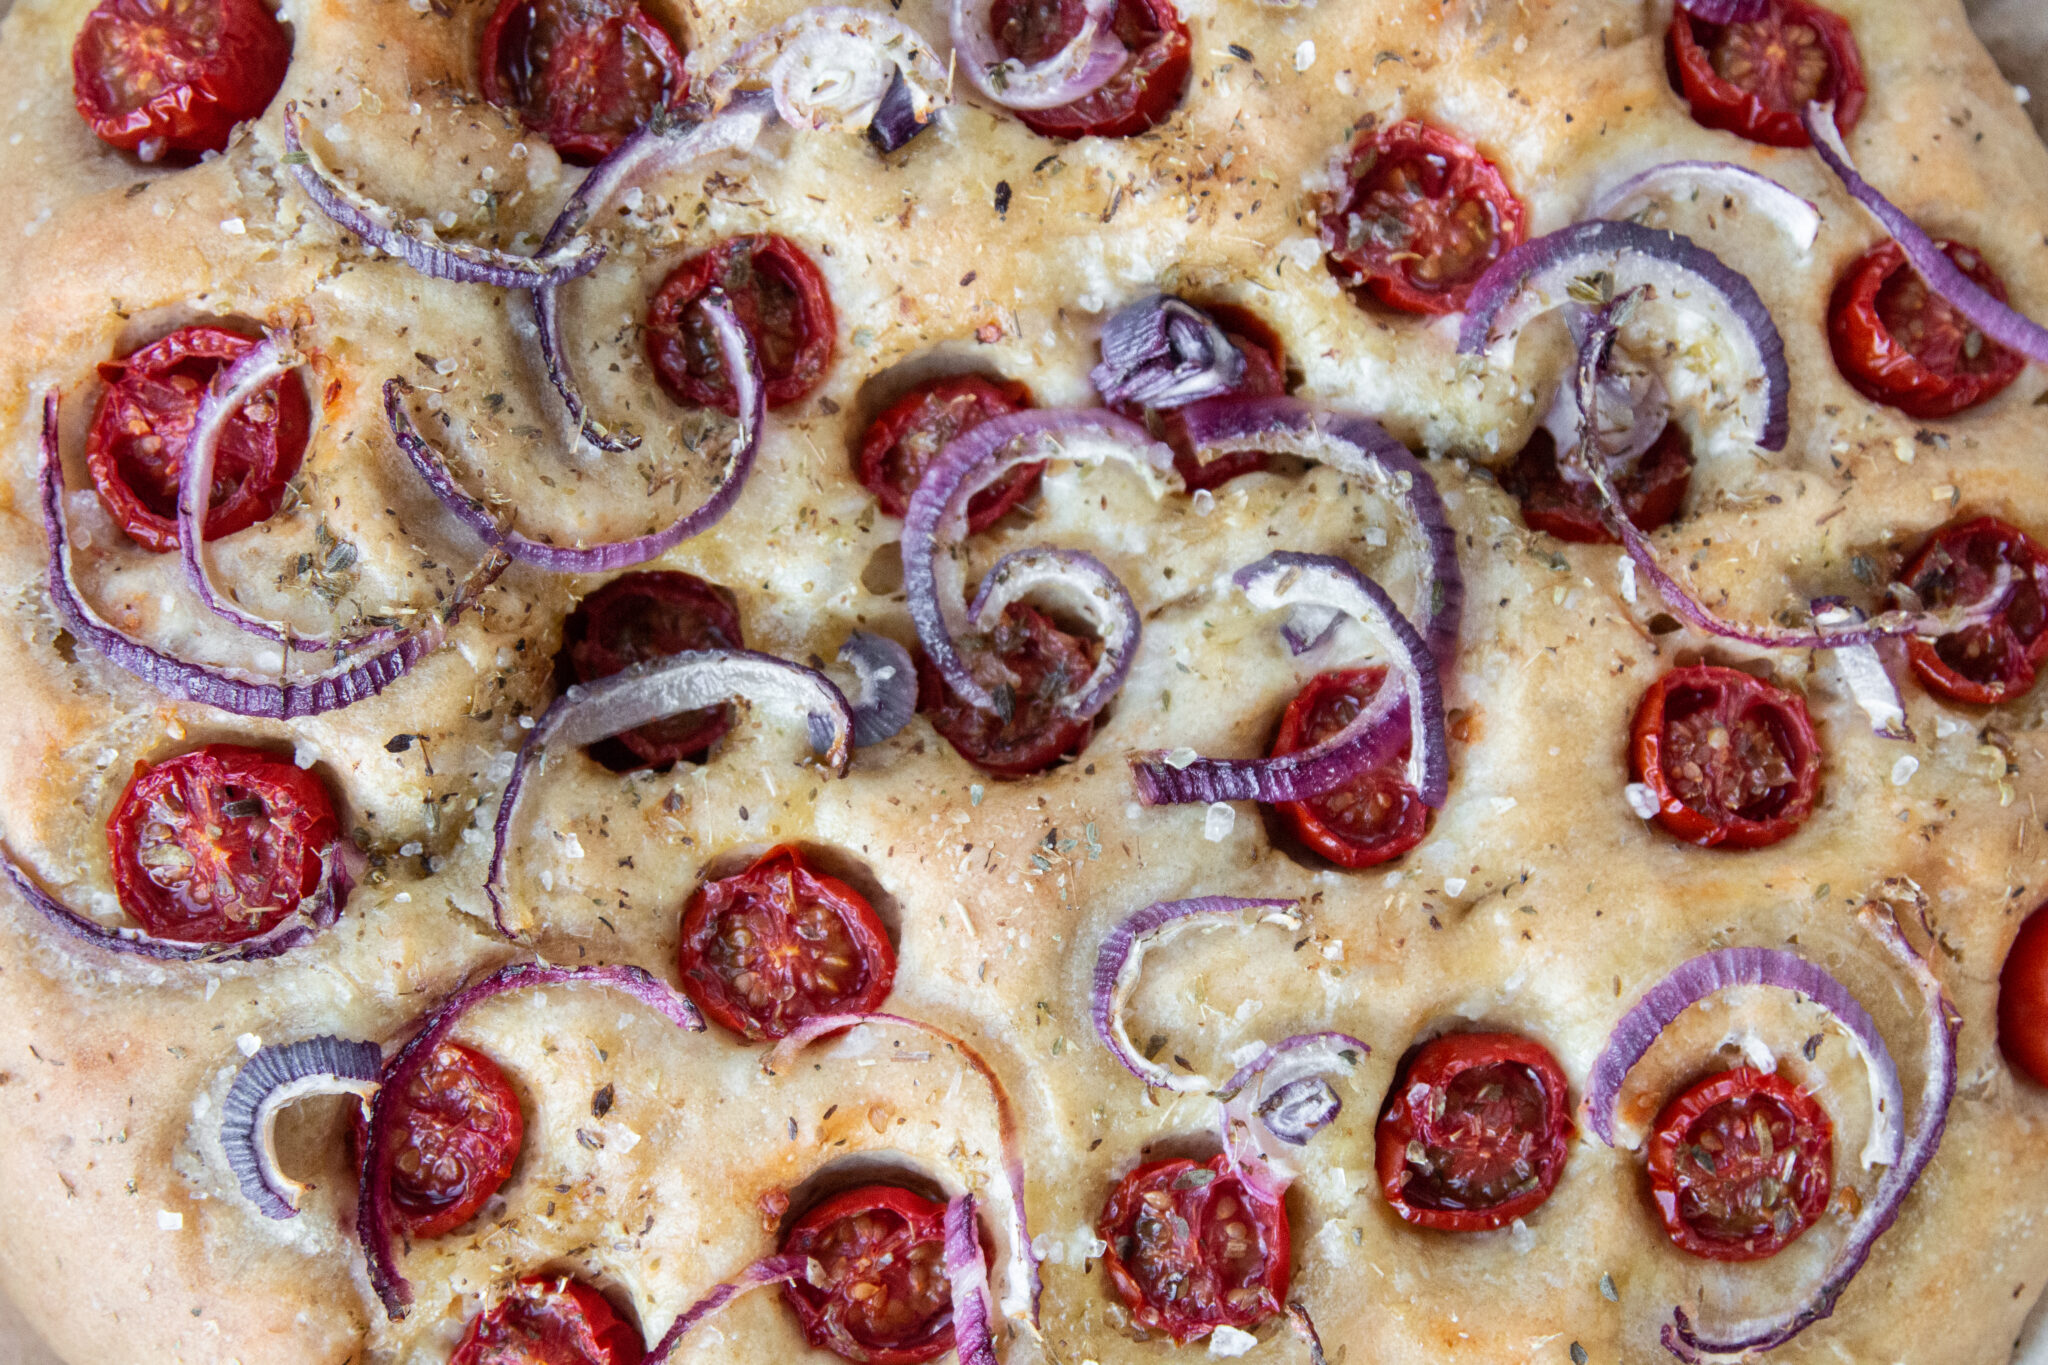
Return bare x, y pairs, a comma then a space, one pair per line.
1163, 352
885, 695
316, 913
1308, 626
1726, 11
1020, 1299
741, 362
895, 121
416, 243
1797, 218
662, 146
654, 690
831, 68
276, 1076
1358, 446
936, 521
1539, 276
2003, 324
1281, 1095
1870, 683
1305, 1328
967, 1275
374, 1208
1090, 59
1088, 586
1122, 958
1412, 695
762, 1273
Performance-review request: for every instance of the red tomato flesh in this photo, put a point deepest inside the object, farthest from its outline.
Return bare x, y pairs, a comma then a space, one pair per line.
549, 1320
170, 79
884, 1298
902, 443
1144, 93
778, 296
642, 616
584, 74
1029, 664
453, 1137
1741, 1164
1896, 342
1985, 664
2023, 1000
1753, 79
1652, 488
1377, 816
1191, 1248
1733, 760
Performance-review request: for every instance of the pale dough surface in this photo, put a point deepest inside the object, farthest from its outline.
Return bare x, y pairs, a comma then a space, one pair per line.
1539, 903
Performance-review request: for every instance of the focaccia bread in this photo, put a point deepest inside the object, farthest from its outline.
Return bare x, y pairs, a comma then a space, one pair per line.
1540, 900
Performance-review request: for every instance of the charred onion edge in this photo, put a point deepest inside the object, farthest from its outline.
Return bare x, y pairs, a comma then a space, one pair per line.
1305, 1328
1089, 61
607, 557
1410, 698
1691, 1344
762, 1273
1870, 683
415, 244
1797, 218
1536, 277
1163, 352
1091, 588
657, 688
374, 1207
1251, 1096
1122, 958
967, 1275
277, 1075
885, 694
867, 56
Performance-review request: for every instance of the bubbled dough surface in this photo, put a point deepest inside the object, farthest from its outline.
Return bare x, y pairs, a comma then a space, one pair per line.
1539, 903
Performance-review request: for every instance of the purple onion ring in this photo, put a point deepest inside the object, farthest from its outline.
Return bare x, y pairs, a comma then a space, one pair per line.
1163, 352
275, 1076
967, 1276
1089, 61
762, 1273
832, 68
1798, 218
885, 694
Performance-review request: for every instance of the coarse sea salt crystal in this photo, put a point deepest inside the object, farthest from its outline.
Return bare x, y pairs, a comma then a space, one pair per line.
1640, 799
1229, 1341
1217, 824
248, 1045
169, 1221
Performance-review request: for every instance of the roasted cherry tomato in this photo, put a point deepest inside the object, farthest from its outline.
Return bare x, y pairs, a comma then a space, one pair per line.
219, 844
549, 1320
1192, 1248
1378, 815
454, 1136
1265, 376
173, 77
1474, 1132
641, 616
1652, 488
1740, 1164
901, 444
144, 421
1029, 664
1424, 216
1754, 78
1958, 566
779, 297
1898, 342
1144, 93
882, 1297
1732, 760
2023, 1000
767, 948
584, 74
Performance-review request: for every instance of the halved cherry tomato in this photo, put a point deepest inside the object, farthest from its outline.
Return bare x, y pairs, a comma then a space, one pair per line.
1144, 93
901, 444
882, 1297
454, 1137
1377, 816
1192, 1248
1740, 1164
144, 421
176, 76
1424, 216
767, 948
1029, 664
1732, 760
1998, 660
549, 1320
641, 616
2023, 1000
1754, 78
1474, 1133
218, 845
1897, 342
584, 74
1265, 376
1652, 488
779, 297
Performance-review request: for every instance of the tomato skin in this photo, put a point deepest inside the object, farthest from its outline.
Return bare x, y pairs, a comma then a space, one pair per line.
1424, 216
1729, 1105
1769, 115
1652, 488
1379, 815
144, 421
584, 79
1222, 1217
2023, 1000
781, 300
1040, 662
1986, 664
549, 1320
1881, 308
901, 444
652, 615
1468, 1137
178, 77
271, 856
452, 1140
875, 1235
1145, 93
765, 902
1768, 716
